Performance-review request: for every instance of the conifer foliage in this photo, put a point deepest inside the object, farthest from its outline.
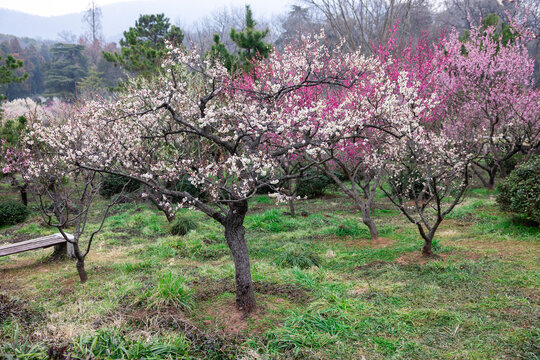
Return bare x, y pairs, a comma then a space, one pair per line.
250, 44
143, 46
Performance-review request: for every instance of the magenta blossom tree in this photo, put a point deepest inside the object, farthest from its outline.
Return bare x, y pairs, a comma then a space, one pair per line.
425, 161
376, 102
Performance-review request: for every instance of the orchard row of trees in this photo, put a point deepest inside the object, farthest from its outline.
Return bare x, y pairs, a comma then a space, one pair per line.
415, 119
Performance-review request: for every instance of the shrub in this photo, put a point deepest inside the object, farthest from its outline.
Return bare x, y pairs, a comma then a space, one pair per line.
341, 175
507, 166
297, 257
520, 191
114, 184
313, 186
12, 212
182, 225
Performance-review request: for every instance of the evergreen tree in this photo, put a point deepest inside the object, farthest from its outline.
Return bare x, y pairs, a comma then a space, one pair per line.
7, 69
93, 83
68, 67
220, 52
250, 44
143, 46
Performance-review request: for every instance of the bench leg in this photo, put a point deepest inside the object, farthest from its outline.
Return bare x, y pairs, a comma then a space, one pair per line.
71, 250
60, 251
63, 250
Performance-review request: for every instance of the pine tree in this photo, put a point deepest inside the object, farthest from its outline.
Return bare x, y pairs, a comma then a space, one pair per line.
7, 74
68, 67
93, 83
250, 44
143, 46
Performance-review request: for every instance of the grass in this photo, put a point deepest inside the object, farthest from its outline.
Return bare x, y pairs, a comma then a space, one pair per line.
324, 289
170, 290
295, 256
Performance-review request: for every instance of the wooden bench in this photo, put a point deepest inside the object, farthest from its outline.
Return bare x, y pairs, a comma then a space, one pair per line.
39, 243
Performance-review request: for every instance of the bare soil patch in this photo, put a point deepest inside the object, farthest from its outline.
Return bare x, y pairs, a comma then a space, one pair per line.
375, 244
417, 258
206, 289
222, 317
167, 318
226, 319
14, 309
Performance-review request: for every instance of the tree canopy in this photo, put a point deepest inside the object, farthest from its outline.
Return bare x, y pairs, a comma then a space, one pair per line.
143, 46
68, 67
7, 74
250, 44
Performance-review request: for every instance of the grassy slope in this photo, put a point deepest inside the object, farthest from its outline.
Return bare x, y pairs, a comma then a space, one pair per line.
156, 296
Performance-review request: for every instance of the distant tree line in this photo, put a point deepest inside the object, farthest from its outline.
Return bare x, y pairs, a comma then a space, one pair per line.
91, 66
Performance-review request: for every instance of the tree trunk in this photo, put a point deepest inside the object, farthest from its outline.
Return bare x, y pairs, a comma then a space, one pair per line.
291, 208
368, 221
428, 238
170, 216
426, 250
291, 200
82, 272
491, 182
24, 194
234, 234
488, 183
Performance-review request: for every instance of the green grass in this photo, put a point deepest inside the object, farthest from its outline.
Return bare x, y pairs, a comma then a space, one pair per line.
111, 344
170, 290
271, 221
324, 289
296, 256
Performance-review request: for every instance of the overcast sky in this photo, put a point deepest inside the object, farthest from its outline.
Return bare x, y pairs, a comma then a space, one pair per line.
60, 7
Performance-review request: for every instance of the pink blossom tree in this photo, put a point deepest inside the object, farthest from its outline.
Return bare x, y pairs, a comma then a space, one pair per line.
496, 100
378, 101
426, 160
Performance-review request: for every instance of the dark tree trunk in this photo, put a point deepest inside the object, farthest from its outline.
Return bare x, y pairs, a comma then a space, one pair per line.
24, 194
291, 208
234, 234
426, 250
368, 221
170, 216
491, 181
428, 237
491, 171
82, 272
291, 200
